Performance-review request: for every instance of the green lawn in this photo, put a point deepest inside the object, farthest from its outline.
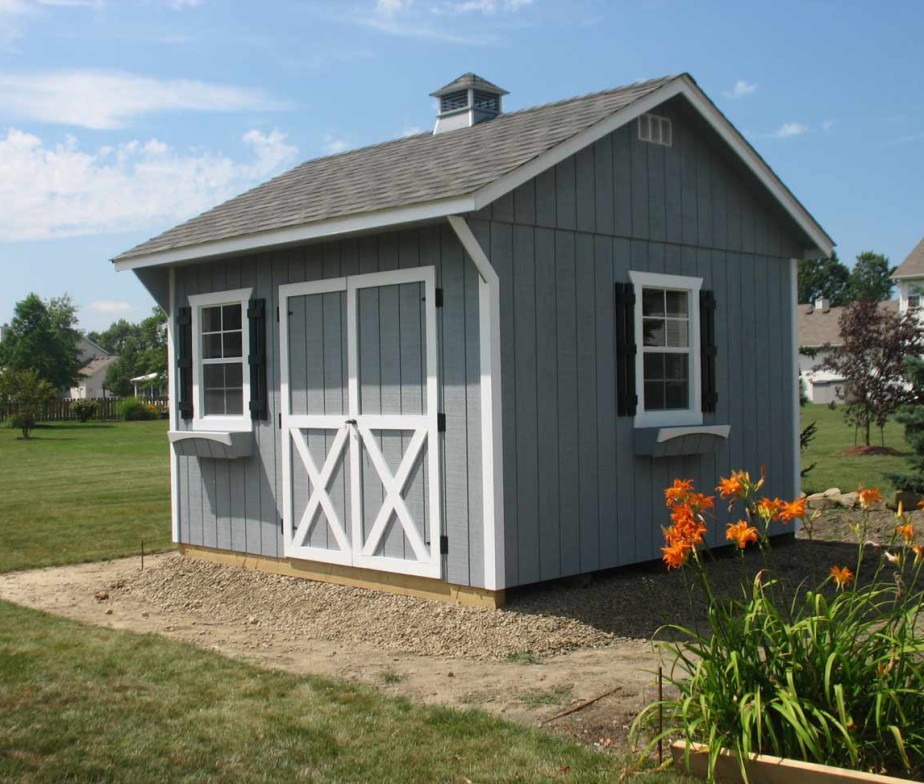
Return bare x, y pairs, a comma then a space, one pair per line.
83, 492
834, 436
86, 704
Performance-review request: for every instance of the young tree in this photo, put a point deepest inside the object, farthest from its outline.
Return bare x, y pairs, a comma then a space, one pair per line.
871, 360
141, 348
911, 416
871, 278
827, 278
27, 395
43, 338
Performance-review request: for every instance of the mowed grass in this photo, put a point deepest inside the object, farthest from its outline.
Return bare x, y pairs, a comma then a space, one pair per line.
86, 704
847, 473
83, 492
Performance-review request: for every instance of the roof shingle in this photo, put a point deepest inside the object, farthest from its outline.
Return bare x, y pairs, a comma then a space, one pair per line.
819, 327
403, 172
913, 265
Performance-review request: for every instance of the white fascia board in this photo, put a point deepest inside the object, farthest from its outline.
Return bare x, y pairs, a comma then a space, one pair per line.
295, 234
680, 86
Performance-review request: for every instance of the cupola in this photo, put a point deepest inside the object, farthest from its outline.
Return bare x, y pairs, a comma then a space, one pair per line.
467, 101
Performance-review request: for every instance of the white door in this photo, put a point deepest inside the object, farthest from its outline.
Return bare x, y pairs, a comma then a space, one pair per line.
360, 423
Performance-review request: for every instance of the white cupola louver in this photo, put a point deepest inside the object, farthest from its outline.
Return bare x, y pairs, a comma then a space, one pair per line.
467, 101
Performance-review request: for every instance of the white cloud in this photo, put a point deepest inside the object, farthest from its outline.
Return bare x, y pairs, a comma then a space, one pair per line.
422, 18
105, 99
334, 145
742, 89
62, 190
108, 306
789, 130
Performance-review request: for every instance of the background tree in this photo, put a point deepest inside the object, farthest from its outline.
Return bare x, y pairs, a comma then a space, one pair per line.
141, 350
872, 362
871, 278
43, 338
824, 278
27, 394
911, 416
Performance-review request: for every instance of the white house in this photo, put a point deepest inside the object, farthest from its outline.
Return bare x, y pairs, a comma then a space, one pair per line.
96, 361
909, 279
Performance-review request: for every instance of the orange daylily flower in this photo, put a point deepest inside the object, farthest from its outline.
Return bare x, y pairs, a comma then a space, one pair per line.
676, 554
918, 552
842, 576
906, 532
679, 492
741, 533
921, 504
790, 510
868, 496
735, 485
769, 509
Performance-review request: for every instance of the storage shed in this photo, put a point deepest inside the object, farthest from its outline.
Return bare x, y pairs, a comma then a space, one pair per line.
472, 359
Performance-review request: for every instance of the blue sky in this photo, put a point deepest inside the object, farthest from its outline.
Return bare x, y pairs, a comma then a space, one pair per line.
121, 118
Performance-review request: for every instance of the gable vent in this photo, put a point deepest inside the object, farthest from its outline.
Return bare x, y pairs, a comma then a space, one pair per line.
467, 101
655, 129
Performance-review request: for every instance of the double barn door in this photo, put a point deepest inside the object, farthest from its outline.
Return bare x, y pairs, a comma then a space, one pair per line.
359, 421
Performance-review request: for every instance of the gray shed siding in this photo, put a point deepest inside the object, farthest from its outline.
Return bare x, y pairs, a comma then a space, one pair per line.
576, 497
236, 504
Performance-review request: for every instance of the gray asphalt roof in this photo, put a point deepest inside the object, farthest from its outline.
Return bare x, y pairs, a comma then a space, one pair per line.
469, 80
412, 170
822, 327
913, 265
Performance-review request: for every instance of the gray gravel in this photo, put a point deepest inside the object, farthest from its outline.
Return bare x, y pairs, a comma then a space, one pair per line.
290, 607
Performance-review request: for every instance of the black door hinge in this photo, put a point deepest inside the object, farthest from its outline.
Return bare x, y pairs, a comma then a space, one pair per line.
439, 298
441, 423
280, 421
277, 315
444, 545
282, 526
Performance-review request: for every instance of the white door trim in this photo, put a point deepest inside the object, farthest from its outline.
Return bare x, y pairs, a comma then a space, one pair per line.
492, 436
355, 437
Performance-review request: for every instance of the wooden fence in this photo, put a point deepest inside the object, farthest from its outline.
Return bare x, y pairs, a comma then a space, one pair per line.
61, 410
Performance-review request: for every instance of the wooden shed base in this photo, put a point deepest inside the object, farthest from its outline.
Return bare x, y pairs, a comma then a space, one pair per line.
402, 584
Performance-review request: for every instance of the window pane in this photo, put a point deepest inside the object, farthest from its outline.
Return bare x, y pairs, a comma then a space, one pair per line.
675, 367
211, 319
654, 395
676, 394
234, 375
211, 346
213, 377
653, 330
214, 402
676, 334
232, 343
652, 302
677, 303
232, 317
654, 367
234, 402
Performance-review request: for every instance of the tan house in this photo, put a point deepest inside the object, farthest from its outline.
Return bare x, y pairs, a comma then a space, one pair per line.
819, 333
909, 279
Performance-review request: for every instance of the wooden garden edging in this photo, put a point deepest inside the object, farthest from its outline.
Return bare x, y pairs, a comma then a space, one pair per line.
764, 769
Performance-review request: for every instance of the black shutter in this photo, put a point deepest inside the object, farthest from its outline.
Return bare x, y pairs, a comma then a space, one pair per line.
256, 314
626, 398
707, 350
184, 363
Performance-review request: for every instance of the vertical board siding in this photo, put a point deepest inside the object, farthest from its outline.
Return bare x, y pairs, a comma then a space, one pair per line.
237, 504
577, 498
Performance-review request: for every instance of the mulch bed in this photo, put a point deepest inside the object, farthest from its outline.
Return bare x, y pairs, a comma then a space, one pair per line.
869, 451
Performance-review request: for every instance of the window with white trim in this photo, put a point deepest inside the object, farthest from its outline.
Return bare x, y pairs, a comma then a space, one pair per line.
221, 373
668, 371
914, 301
655, 129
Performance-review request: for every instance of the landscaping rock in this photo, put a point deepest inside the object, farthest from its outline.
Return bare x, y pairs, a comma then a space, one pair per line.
847, 500
908, 500
820, 501
832, 492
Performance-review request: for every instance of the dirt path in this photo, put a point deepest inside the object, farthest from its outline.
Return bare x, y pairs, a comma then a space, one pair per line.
517, 690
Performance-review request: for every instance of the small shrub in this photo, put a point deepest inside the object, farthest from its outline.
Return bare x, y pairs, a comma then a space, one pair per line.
831, 673
133, 410
27, 395
85, 410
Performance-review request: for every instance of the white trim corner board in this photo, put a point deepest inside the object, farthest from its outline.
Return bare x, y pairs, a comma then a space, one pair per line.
492, 437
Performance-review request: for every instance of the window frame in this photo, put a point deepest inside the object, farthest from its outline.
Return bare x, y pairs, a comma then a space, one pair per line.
197, 303
693, 415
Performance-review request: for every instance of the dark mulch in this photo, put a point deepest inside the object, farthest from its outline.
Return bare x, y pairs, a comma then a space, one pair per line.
869, 451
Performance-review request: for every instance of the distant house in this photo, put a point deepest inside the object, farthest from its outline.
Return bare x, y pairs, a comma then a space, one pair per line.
909, 277
819, 333
472, 359
96, 361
